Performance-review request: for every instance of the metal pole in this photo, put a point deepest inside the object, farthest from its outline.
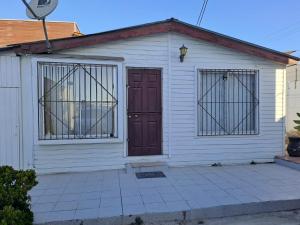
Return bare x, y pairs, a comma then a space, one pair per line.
46, 36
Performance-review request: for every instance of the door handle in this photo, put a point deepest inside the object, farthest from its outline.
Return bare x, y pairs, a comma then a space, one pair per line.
129, 116
136, 116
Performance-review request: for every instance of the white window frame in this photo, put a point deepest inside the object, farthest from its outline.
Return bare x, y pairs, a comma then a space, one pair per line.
120, 105
258, 88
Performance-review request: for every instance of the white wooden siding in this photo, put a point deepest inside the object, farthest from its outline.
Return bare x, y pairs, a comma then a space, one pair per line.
9, 72
9, 112
181, 146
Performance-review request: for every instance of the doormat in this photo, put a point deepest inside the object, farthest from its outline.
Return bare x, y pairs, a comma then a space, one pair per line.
154, 174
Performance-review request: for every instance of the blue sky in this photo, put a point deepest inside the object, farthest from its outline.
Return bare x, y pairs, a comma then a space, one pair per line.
271, 23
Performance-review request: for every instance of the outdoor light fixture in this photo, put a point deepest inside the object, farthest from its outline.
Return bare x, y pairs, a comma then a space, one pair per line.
183, 51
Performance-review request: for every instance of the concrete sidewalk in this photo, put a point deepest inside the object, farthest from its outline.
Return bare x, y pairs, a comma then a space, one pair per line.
185, 193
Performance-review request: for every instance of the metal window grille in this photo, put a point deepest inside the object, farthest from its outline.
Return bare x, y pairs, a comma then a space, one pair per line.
227, 102
77, 101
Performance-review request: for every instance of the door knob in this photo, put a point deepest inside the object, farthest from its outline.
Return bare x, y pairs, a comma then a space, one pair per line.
129, 117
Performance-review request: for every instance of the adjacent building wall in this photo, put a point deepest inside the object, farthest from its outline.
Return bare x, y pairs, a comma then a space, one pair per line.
21, 31
293, 96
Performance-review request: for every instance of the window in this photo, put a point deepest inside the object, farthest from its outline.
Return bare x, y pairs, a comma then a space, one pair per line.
77, 101
227, 102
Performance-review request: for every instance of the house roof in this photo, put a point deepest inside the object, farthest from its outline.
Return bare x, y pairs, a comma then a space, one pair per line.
21, 31
169, 25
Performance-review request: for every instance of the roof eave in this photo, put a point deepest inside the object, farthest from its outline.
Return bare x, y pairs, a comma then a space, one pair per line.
170, 25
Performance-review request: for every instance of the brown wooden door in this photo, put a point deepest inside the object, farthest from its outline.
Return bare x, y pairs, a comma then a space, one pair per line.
144, 112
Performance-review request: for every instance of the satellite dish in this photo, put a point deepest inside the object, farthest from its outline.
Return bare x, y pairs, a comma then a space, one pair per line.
39, 9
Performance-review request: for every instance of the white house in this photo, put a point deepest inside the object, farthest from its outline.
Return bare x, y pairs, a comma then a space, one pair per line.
103, 100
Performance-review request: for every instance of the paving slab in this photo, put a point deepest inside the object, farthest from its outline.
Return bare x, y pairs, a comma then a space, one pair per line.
185, 193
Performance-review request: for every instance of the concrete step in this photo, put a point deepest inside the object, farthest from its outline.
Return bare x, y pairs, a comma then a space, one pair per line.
146, 167
287, 161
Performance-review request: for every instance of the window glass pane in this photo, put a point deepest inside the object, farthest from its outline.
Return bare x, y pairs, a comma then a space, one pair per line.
77, 101
241, 102
211, 103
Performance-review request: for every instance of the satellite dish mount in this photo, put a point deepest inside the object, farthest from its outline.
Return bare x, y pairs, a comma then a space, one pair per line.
39, 9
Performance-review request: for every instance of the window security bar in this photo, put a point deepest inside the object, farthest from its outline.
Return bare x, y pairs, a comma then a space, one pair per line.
227, 102
77, 101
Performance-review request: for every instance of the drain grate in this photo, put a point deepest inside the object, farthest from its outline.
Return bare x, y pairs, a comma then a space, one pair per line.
154, 174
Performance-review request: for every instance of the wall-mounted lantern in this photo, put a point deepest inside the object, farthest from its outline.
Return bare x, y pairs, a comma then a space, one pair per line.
183, 51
